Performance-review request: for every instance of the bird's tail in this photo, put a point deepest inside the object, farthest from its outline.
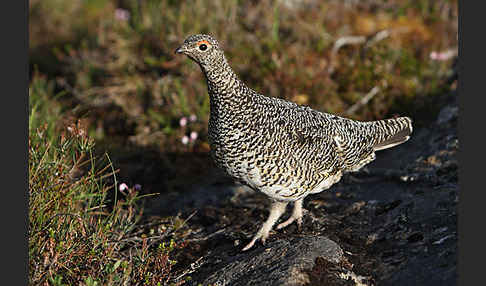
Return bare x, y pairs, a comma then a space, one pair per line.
391, 132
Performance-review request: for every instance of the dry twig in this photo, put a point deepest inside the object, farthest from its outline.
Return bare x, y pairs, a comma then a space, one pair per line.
363, 101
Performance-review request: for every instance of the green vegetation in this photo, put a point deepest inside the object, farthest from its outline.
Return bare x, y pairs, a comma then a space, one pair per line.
104, 73
81, 231
118, 68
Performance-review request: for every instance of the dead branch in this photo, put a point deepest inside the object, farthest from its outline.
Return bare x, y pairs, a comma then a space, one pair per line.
363, 101
356, 40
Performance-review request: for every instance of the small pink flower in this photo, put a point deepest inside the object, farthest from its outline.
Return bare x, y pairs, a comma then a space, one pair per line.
193, 135
185, 140
137, 187
193, 117
183, 121
122, 14
123, 187
442, 56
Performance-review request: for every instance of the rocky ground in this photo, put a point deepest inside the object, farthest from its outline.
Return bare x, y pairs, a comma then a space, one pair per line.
394, 223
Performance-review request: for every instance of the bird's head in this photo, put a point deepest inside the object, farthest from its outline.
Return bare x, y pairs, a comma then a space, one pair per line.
203, 49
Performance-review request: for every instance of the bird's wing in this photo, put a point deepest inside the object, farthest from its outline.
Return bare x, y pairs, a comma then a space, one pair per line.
336, 142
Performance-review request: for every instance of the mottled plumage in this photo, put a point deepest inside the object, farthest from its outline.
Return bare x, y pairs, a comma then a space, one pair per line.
282, 149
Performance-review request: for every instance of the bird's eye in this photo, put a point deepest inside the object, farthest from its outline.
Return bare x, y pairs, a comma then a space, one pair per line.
203, 47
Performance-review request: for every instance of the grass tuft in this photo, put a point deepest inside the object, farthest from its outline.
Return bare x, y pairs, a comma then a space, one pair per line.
82, 231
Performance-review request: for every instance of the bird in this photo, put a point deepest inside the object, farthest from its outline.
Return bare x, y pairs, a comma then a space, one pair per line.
282, 149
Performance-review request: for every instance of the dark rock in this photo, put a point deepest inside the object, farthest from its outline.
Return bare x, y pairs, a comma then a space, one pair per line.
280, 262
447, 114
416, 237
387, 207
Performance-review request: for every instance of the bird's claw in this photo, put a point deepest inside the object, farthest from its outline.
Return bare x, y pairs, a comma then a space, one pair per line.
248, 246
262, 237
296, 216
286, 223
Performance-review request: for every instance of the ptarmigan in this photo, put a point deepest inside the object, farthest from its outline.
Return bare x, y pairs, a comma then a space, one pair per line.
277, 147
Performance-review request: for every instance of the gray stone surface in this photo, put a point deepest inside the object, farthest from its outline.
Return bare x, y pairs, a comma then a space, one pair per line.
281, 262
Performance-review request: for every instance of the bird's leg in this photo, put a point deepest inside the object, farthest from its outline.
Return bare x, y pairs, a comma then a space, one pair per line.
277, 209
297, 215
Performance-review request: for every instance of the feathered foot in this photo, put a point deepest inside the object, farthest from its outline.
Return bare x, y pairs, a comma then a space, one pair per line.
277, 209
297, 215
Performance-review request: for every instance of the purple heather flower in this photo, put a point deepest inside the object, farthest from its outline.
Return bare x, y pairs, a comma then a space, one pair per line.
183, 121
122, 14
137, 187
193, 135
185, 140
123, 187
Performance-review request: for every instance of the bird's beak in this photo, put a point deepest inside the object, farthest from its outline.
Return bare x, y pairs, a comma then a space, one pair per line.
180, 50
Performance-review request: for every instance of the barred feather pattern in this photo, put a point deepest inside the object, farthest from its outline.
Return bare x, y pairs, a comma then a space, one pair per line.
282, 149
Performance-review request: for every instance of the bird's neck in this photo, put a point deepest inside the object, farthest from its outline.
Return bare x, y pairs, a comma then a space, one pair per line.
224, 86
